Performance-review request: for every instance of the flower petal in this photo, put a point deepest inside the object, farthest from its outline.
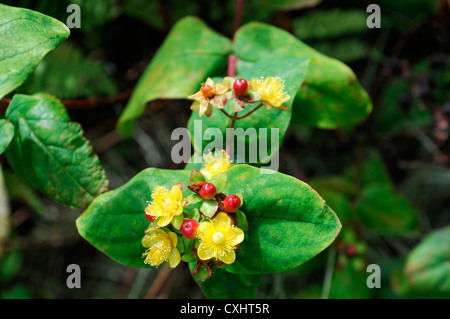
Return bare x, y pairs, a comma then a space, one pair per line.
221, 88
222, 218
197, 96
154, 209
164, 220
205, 252
176, 193
203, 107
173, 238
209, 82
217, 101
238, 236
205, 230
228, 257
174, 258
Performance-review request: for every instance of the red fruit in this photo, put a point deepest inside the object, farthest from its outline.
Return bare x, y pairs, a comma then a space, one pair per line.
232, 203
207, 91
150, 217
240, 87
350, 250
189, 228
208, 191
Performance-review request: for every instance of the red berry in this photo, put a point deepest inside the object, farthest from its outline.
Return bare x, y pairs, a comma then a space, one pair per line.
189, 228
207, 91
150, 217
232, 203
240, 87
208, 191
350, 250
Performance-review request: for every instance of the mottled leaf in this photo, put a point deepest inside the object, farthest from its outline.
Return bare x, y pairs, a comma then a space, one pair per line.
190, 53
115, 222
255, 130
26, 37
331, 95
427, 267
6, 134
289, 222
49, 152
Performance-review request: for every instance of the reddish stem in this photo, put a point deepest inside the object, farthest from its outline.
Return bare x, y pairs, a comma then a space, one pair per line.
238, 15
87, 103
232, 65
244, 116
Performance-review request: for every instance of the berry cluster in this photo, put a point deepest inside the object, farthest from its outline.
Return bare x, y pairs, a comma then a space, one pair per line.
210, 232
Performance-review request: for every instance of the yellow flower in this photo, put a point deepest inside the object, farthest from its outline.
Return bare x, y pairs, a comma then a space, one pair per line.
272, 91
209, 94
166, 205
219, 239
161, 247
215, 164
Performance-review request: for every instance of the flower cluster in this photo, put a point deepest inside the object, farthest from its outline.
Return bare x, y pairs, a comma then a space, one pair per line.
238, 93
206, 226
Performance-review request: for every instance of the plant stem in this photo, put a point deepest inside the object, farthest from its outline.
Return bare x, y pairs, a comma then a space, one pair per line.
87, 103
159, 281
244, 116
329, 272
238, 15
226, 114
232, 65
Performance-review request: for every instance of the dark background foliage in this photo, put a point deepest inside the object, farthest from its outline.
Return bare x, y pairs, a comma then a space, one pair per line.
397, 160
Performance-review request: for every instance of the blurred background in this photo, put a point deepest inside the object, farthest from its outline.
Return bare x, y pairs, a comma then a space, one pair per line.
394, 165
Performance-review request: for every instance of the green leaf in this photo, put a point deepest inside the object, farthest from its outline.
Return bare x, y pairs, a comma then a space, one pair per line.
373, 171
196, 176
383, 210
427, 267
331, 95
26, 37
288, 221
49, 152
18, 190
189, 258
224, 285
209, 207
180, 246
256, 128
349, 283
6, 134
241, 197
188, 244
242, 222
322, 24
115, 221
5, 211
177, 221
190, 53
67, 73
219, 181
390, 120
194, 214
192, 199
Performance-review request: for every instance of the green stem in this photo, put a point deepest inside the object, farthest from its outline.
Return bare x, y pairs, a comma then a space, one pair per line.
329, 272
